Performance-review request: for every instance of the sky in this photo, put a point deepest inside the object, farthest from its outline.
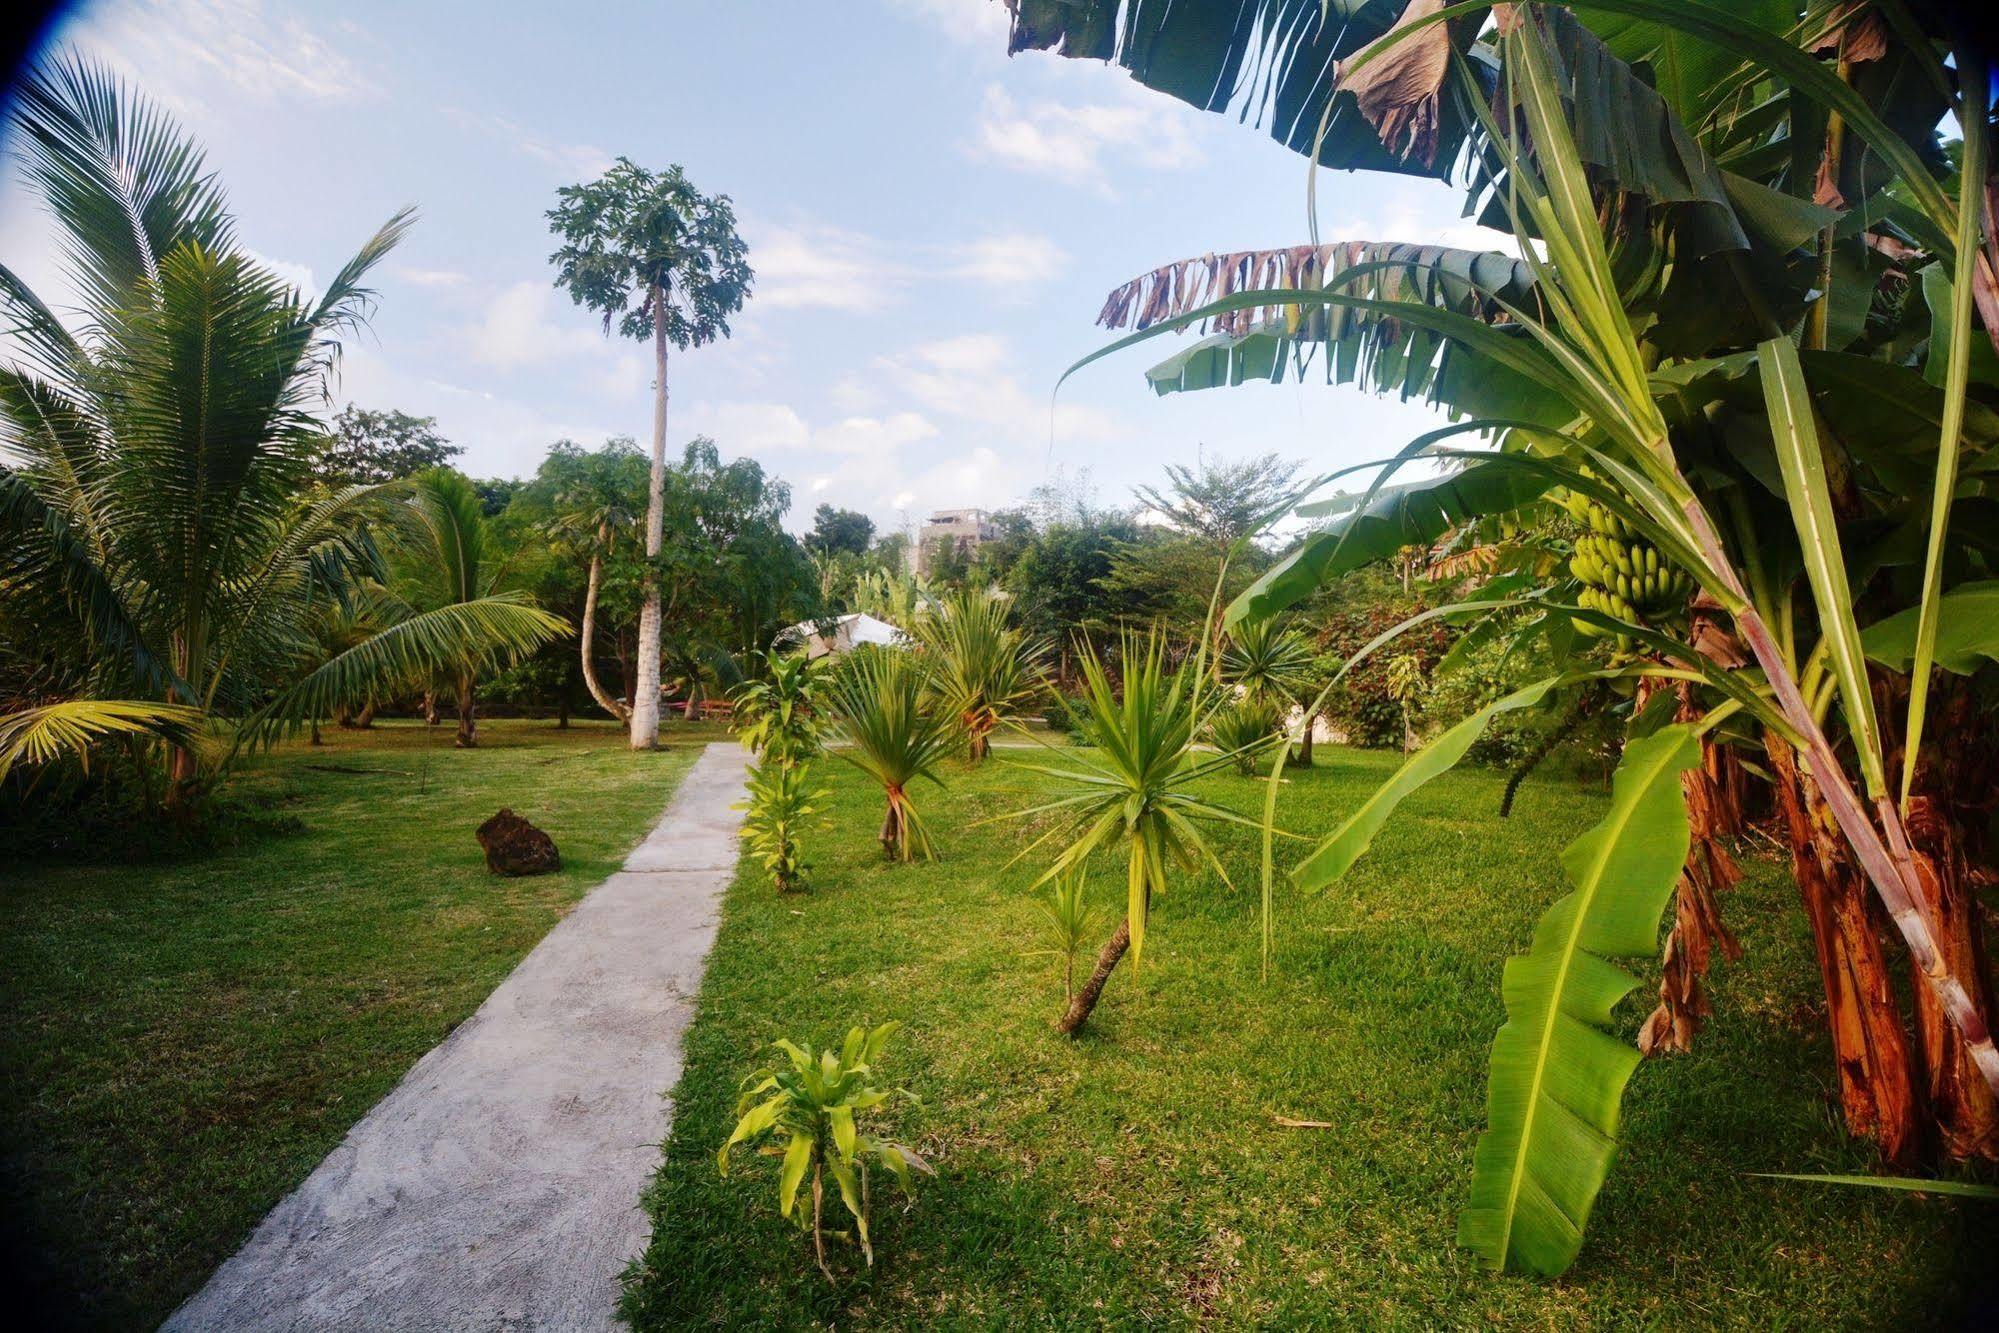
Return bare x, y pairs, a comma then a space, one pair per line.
933, 227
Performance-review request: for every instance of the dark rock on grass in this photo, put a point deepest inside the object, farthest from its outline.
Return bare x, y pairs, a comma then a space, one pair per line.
516, 847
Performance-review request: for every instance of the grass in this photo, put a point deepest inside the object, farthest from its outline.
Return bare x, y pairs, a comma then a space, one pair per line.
187, 1038
1141, 1175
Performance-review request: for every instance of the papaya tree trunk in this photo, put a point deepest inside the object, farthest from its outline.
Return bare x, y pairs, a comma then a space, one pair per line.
1084, 1002
645, 699
1871, 1054
605, 700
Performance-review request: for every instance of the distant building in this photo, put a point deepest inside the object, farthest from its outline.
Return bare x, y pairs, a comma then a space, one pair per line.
964, 529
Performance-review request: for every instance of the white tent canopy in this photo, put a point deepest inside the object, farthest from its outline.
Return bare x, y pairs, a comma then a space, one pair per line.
847, 633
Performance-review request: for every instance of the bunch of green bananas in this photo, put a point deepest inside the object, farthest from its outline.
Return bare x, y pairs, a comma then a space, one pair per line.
1622, 575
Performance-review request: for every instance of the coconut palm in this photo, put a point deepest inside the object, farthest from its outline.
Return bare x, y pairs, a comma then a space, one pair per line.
1132, 795
981, 667
880, 704
155, 498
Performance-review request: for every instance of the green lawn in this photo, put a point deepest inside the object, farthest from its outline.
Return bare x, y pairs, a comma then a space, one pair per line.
186, 1039
1140, 1175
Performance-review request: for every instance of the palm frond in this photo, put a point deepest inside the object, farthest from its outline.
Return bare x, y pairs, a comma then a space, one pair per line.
69, 729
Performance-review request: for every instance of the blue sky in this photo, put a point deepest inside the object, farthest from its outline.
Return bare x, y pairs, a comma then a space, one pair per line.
933, 226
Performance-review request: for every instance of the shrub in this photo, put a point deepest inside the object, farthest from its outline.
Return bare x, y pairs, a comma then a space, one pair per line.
879, 701
777, 717
1246, 729
778, 809
813, 1103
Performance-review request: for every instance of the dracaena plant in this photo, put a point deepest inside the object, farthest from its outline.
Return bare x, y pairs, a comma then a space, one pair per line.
779, 809
884, 715
1245, 729
1131, 795
807, 1112
983, 667
777, 716
1068, 920
1749, 337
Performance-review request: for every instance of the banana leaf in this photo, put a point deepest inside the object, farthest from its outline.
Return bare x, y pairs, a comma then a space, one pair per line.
1557, 1076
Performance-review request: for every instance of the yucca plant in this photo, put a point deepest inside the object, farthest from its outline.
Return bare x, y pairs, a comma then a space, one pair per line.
1131, 795
981, 667
779, 808
807, 1110
777, 716
1749, 331
883, 714
1245, 729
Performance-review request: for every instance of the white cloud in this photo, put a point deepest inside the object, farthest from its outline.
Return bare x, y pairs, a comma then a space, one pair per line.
518, 329
1012, 261
180, 48
298, 275
580, 161
1072, 143
431, 277
980, 22
823, 268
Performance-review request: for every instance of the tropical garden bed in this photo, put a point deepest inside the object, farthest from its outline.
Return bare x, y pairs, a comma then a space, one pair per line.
1146, 1172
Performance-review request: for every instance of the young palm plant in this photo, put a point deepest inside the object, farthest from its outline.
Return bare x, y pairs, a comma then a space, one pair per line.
157, 503
1245, 729
1132, 796
1069, 920
813, 1103
982, 668
880, 705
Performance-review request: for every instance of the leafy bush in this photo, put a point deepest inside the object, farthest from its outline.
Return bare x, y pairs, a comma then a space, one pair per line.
881, 706
777, 717
812, 1107
1362, 705
778, 809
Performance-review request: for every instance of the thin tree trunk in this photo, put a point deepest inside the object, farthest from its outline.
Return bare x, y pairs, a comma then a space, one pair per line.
430, 707
1303, 759
1084, 1002
645, 701
467, 724
604, 699
366, 717
982, 746
1871, 1052
315, 732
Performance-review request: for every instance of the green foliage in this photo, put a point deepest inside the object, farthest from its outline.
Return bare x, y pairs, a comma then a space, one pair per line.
881, 706
1245, 729
779, 809
32, 737
777, 716
981, 667
1268, 658
812, 1105
1132, 793
1069, 923
647, 250
370, 447
1557, 1077
838, 531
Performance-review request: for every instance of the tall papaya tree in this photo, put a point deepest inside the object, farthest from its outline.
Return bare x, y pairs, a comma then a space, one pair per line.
1748, 343
660, 261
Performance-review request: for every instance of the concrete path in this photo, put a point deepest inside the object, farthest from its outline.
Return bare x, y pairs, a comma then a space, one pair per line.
498, 1186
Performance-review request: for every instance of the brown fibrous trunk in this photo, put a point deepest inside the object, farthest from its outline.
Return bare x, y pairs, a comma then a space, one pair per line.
468, 724
1084, 1001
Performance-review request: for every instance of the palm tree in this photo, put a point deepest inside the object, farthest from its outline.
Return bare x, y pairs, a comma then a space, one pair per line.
660, 260
597, 508
156, 502
441, 559
1132, 795
878, 703
981, 666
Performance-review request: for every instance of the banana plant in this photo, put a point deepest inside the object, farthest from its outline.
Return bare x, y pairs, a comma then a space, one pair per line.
1741, 327
807, 1109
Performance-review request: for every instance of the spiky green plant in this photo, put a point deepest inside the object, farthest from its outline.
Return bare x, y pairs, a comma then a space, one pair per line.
1245, 729
1068, 920
813, 1103
882, 711
779, 808
1267, 658
777, 716
1132, 794
981, 667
